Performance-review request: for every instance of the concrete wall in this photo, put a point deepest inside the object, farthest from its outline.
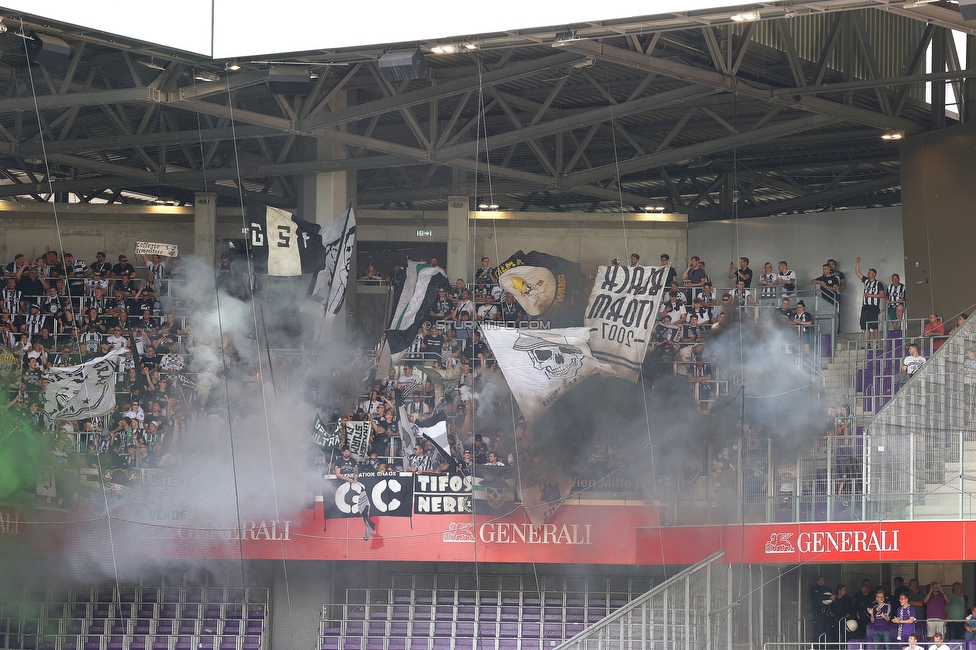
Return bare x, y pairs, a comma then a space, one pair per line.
938, 195
806, 241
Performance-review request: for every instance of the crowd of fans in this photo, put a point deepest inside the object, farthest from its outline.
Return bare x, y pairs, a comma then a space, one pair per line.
58, 311
897, 616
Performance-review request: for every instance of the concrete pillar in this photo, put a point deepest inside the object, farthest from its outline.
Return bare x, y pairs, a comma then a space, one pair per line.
459, 254
205, 226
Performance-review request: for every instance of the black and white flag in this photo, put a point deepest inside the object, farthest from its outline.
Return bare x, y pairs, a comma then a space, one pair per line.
541, 366
544, 285
339, 239
621, 313
372, 494
357, 437
283, 245
83, 391
418, 295
326, 435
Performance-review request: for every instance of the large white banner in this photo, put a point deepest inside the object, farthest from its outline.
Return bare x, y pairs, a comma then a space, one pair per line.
357, 437
83, 391
620, 315
541, 366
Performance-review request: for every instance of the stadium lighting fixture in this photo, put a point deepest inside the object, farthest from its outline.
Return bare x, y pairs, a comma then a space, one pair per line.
564, 38
206, 75
746, 16
893, 135
151, 63
233, 65
444, 48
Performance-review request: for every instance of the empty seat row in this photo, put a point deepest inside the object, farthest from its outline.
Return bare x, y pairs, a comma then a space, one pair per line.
438, 644
137, 642
527, 613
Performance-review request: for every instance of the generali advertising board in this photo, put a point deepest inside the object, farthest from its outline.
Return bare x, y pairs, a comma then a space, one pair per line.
575, 533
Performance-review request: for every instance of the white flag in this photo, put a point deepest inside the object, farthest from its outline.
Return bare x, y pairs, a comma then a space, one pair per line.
339, 239
541, 366
357, 437
621, 314
82, 391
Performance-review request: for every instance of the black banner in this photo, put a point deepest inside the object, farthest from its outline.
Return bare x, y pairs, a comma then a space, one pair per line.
389, 495
442, 494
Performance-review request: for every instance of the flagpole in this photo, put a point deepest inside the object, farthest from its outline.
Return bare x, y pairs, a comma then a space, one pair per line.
267, 347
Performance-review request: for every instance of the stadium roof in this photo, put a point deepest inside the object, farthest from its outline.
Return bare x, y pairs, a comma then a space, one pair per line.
757, 109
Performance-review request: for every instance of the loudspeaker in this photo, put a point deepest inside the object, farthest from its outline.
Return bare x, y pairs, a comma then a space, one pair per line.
400, 65
48, 50
968, 9
289, 81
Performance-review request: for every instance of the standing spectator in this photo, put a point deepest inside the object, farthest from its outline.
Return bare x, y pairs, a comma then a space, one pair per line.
829, 285
31, 284
874, 293
843, 285
804, 326
935, 329
485, 274
895, 298
672, 272
767, 286
904, 618
11, 269
12, 297
743, 273
786, 279
935, 610
956, 611
694, 276
156, 265
821, 598
634, 259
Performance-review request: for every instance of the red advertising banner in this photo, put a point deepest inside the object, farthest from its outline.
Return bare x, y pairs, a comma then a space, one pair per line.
578, 533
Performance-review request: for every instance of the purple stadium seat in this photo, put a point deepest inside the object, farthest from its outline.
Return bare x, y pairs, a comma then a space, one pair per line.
374, 644
114, 644
487, 613
422, 612
487, 629
508, 630
234, 611
148, 596
251, 642
211, 611
464, 643
79, 611
255, 611
330, 643
190, 611
73, 627
467, 600
552, 614
531, 630
508, 644
398, 628
552, 631
594, 614
377, 628
510, 600
424, 599
228, 643
378, 613
232, 627
96, 627
442, 644
532, 644
119, 628
162, 627
254, 627
419, 643
397, 643
71, 643
138, 643
421, 628
168, 611
355, 628
209, 626
332, 631
444, 612
464, 628
572, 629
206, 643
510, 614
160, 645
445, 599
89, 645
101, 611
465, 613
531, 614
401, 612
187, 627
575, 614
443, 628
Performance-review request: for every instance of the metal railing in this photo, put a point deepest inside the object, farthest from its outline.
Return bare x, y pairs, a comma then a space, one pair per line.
684, 612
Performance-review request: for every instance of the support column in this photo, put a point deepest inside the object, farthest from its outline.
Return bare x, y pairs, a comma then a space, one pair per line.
458, 252
205, 226
969, 85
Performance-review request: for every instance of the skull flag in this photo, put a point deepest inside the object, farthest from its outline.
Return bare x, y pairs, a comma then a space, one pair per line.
546, 286
541, 366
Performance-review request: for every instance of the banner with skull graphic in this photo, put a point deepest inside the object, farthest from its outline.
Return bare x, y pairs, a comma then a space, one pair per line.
544, 285
621, 312
541, 366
